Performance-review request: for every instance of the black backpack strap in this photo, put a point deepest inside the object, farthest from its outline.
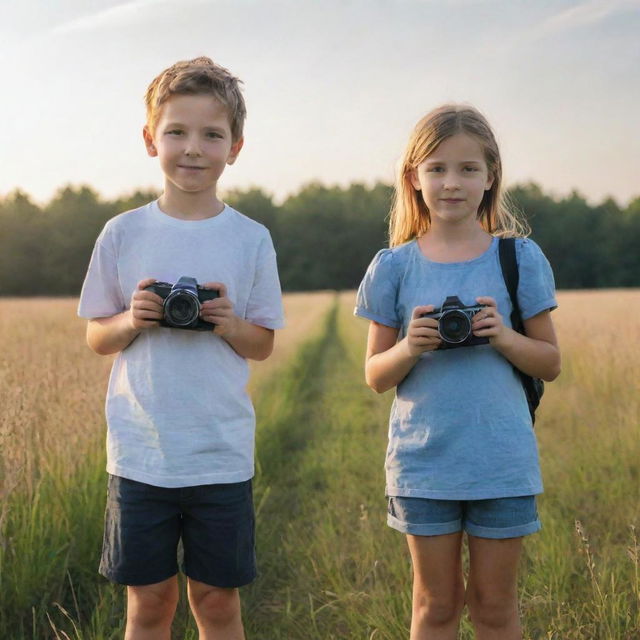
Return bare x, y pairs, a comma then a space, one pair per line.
509, 266
533, 387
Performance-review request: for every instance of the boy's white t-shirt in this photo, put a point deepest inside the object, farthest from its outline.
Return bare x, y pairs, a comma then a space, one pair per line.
178, 412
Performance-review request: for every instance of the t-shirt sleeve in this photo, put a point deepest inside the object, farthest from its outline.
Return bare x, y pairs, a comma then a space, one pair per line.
377, 294
536, 286
264, 307
101, 295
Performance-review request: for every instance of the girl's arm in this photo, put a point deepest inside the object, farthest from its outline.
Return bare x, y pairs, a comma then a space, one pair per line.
388, 360
536, 354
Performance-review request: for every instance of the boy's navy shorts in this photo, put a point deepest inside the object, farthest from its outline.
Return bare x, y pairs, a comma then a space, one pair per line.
144, 524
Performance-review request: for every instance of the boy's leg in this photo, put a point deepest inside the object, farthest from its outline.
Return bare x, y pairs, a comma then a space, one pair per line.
219, 555
142, 529
216, 611
438, 586
150, 610
492, 594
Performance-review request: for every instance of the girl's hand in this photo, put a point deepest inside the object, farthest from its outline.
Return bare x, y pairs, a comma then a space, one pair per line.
487, 323
219, 311
146, 307
422, 334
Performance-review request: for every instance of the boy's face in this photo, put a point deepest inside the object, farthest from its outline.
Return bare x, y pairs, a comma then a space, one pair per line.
192, 139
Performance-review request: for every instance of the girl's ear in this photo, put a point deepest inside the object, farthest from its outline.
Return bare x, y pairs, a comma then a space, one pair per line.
489, 183
148, 141
413, 179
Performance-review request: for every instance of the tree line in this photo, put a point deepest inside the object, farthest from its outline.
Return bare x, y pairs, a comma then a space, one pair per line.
324, 236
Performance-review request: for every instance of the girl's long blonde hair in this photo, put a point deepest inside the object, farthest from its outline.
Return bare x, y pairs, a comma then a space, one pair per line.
410, 217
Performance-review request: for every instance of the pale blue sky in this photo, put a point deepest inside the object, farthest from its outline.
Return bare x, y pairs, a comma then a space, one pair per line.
332, 88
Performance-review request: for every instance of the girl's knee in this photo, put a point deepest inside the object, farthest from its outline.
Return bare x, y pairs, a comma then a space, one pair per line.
438, 610
492, 609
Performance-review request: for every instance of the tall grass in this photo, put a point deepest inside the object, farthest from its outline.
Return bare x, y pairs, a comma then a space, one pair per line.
329, 566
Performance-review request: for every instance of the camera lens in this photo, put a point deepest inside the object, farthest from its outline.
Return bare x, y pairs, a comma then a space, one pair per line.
181, 309
454, 326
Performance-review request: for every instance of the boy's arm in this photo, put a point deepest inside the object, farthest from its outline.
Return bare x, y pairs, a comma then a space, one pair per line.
115, 333
247, 339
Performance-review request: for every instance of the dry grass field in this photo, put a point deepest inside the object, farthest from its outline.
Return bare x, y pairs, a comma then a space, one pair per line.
52, 387
322, 577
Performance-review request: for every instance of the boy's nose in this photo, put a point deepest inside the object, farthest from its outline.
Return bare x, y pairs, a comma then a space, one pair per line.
192, 147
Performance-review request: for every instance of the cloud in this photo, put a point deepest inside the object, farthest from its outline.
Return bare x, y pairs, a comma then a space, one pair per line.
586, 13
112, 17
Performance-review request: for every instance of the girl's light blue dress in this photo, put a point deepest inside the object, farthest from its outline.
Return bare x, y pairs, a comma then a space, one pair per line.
460, 427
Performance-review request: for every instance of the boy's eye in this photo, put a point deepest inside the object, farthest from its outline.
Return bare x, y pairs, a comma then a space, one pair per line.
213, 134
471, 169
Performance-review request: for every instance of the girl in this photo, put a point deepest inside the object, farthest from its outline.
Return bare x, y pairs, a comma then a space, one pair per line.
462, 454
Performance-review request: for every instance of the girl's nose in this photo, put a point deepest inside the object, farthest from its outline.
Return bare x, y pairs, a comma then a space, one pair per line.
451, 182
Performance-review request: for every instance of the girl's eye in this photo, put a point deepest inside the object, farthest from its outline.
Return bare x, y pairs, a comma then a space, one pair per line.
471, 169
174, 132
435, 169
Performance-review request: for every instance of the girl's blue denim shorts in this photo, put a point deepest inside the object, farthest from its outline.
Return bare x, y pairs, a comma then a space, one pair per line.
496, 518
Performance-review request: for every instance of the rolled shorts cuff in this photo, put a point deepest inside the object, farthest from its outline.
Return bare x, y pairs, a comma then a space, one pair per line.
502, 533
424, 529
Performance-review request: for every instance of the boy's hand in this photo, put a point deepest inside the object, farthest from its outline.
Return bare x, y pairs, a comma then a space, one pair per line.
146, 307
487, 323
422, 334
219, 311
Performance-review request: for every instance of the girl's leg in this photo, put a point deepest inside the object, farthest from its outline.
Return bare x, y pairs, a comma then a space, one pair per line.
492, 595
150, 610
438, 586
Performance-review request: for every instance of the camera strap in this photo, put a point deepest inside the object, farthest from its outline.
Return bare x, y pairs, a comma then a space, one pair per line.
533, 387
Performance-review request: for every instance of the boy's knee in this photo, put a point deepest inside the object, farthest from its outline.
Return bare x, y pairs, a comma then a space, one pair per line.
152, 605
214, 604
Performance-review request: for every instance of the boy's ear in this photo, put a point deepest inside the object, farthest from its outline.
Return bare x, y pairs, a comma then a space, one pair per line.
235, 150
148, 141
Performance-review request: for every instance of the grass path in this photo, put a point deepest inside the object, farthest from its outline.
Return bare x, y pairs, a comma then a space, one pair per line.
326, 557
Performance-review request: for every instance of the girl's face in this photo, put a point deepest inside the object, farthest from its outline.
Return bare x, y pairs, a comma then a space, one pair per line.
452, 180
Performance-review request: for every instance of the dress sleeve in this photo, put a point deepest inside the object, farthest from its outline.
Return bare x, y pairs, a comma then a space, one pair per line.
264, 306
378, 291
536, 287
101, 295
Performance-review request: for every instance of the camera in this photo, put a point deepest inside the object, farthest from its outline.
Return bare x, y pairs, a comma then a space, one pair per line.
454, 323
182, 302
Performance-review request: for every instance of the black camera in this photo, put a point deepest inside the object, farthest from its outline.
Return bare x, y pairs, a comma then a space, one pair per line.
182, 302
454, 323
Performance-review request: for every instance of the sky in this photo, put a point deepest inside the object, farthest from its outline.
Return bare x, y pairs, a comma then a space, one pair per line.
333, 88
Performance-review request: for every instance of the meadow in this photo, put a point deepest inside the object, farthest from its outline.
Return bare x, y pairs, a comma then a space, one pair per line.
330, 569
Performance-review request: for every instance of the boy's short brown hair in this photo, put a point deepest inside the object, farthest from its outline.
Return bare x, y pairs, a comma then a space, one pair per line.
200, 76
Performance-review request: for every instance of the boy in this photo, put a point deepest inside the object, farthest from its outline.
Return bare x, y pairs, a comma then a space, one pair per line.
180, 424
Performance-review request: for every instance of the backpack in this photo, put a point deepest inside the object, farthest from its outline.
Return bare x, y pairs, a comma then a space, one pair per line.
533, 387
